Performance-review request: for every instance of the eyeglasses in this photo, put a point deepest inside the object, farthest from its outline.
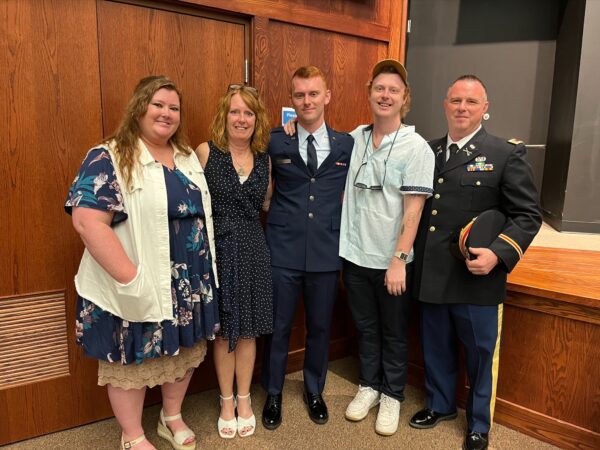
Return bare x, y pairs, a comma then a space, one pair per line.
239, 87
376, 187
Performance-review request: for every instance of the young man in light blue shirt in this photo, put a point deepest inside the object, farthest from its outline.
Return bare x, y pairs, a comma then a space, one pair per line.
389, 179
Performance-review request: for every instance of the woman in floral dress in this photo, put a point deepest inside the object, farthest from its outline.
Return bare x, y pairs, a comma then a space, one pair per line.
147, 280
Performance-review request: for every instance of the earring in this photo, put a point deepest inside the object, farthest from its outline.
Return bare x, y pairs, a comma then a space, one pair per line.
486, 116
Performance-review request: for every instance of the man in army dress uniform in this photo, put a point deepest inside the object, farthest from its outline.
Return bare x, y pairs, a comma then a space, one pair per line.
475, 172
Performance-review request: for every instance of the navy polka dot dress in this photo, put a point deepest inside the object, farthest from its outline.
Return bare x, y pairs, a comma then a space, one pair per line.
243, 261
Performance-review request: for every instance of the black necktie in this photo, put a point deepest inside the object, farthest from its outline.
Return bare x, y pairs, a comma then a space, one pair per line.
452, 150
311, 160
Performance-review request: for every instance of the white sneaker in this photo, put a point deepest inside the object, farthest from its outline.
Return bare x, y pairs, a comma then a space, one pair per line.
363, 401
387, 418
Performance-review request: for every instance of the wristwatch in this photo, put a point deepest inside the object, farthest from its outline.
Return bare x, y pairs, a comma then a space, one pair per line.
402, 256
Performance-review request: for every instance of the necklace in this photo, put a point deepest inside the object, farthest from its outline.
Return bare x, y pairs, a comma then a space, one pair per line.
373, 144
240, 170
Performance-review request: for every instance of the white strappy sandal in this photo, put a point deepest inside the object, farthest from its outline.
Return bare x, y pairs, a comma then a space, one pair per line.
246, 427
177, 440
223, 424
130, 444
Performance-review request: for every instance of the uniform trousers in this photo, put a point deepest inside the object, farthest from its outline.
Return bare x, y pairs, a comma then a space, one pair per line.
319, 291
381, 320
479, 329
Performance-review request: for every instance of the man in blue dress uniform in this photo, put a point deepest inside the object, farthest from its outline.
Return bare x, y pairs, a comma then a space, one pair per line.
303, 227
475, 172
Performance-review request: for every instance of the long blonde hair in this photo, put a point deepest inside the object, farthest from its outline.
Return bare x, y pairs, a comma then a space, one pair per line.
127, 133
262, 128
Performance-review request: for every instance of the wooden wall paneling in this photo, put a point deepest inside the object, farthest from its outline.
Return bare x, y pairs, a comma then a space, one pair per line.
398, 29
42, 126
345, 60
202, 55
370, 18
51, 112
552, 358
549, 367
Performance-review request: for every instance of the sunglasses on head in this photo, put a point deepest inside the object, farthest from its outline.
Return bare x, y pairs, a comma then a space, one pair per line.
236, 87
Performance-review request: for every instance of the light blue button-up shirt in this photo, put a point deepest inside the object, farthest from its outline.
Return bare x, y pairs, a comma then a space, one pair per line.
371, 219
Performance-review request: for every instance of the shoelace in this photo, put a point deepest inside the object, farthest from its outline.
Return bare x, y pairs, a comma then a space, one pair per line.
363, 394
389, 406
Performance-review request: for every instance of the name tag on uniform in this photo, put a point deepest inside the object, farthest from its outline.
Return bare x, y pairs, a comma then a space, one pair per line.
480, 167
283, 161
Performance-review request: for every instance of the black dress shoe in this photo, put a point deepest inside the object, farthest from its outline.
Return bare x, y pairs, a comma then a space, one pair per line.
317, 409
427, 418
475, 441
271, 415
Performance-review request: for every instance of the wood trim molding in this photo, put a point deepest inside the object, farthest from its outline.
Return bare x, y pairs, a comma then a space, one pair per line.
338, 348
298, 15
535, 424
571, 276
554, 307
397, 37
545, 428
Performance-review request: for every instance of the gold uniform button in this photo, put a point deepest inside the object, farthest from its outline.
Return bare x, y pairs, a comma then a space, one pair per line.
436, 196
478, 183
431, 228
434, 212
311, 215
440, 180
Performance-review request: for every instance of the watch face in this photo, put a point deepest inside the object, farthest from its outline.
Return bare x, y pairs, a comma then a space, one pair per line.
401, 256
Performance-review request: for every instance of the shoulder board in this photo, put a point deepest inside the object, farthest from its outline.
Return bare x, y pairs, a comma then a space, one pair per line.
343, 133
515, 141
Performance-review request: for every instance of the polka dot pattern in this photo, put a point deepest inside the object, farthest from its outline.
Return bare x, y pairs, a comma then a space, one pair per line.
243, 261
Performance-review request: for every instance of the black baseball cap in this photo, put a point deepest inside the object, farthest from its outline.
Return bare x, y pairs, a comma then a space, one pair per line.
479, 232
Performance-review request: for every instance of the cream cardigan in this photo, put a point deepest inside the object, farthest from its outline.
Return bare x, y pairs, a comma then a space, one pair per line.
145, 238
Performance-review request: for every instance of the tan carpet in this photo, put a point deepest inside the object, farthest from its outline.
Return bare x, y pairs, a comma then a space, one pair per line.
297, 431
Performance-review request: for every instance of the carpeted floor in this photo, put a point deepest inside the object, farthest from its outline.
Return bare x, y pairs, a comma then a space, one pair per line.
297, 431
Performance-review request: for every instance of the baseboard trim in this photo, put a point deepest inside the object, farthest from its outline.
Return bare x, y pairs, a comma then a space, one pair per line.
545, 428
338, 348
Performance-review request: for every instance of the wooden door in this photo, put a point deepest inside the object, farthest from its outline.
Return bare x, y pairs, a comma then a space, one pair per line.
201, 55
68, 69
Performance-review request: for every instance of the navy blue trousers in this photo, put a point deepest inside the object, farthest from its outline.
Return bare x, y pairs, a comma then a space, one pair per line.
319, 291
479, 329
